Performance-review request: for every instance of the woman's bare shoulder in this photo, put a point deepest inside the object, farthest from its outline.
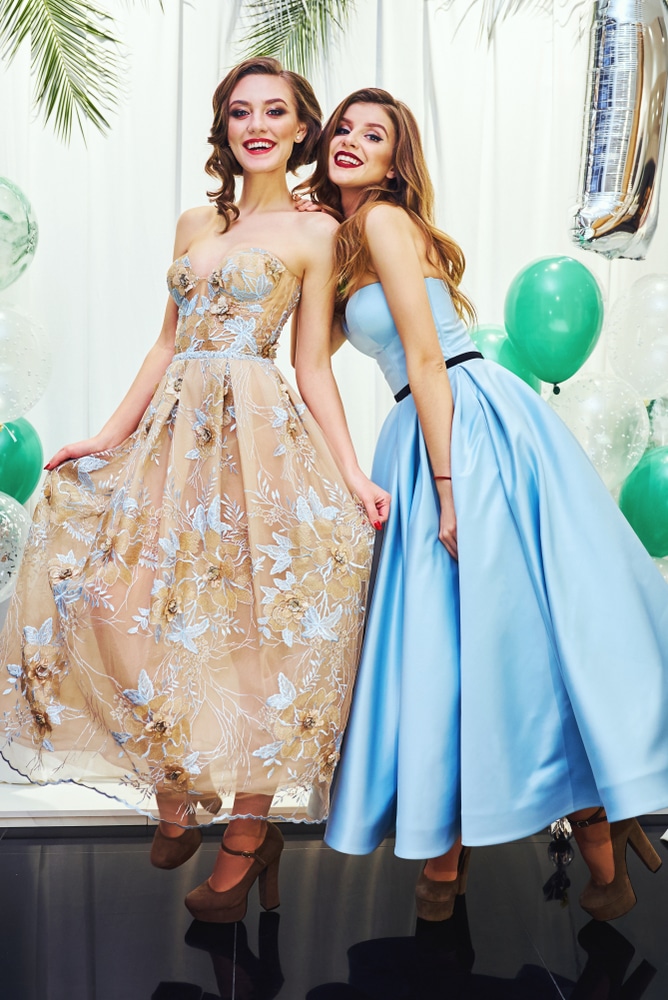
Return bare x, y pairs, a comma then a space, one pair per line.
193, 221
316, 224
383, 218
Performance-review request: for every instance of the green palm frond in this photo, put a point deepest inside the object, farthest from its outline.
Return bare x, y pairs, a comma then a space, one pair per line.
75, 58
298, 32
492, 12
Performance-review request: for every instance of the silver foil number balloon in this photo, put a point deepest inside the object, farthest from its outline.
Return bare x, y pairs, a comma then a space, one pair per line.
625, 128
14, 527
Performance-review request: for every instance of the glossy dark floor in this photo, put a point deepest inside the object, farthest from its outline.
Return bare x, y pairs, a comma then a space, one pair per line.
87, 918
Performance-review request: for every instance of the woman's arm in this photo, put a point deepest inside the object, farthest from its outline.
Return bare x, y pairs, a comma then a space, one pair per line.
395, 258
126, 417
314, 370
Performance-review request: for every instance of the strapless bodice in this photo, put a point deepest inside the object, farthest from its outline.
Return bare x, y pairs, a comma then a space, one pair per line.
238, 310
370, 328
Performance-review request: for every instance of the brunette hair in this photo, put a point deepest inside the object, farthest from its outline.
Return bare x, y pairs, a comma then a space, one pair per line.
222, 164
410, 188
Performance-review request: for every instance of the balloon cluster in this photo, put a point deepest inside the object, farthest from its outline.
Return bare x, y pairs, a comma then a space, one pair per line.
638, 333
25, 366
553, 319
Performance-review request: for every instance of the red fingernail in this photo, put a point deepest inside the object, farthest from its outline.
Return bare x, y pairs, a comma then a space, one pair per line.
377, 525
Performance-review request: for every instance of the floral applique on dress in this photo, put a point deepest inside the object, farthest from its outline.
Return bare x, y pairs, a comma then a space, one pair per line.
190, 604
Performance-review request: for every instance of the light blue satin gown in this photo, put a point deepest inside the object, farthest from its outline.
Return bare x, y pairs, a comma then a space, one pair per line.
530, 678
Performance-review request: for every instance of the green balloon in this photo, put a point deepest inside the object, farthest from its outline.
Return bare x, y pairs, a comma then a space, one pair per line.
553, 315
644, 501
492, 342
21, 459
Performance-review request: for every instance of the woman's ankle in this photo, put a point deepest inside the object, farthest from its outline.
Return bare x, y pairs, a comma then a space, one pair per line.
245, 834
445, 867
595, 843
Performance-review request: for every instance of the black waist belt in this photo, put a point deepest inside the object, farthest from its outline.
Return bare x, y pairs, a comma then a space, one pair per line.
450, 363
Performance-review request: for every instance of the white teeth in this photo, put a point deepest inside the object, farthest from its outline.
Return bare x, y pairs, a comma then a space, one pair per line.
259, 145
346, 158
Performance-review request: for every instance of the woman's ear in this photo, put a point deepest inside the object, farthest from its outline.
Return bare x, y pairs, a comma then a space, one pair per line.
391, 174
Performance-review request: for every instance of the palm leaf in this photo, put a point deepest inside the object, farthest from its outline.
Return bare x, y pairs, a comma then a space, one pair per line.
297, 32
492, 12
75, 59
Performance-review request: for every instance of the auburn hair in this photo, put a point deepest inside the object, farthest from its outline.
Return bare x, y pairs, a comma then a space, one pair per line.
410, 188
223, 164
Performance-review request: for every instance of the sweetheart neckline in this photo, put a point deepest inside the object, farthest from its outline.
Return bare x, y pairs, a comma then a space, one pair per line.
185, 258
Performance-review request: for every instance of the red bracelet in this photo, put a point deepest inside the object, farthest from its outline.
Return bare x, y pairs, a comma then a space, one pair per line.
443, 477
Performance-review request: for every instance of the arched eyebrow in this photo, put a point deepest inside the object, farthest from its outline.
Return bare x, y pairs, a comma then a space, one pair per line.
247, 104
377, 125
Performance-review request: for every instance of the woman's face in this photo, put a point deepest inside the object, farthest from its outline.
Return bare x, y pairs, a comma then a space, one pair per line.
361, 152
263, 124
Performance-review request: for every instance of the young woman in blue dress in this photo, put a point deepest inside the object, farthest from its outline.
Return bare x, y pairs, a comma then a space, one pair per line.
515, 660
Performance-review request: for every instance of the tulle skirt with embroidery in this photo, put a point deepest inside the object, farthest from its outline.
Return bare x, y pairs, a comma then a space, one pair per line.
189, 608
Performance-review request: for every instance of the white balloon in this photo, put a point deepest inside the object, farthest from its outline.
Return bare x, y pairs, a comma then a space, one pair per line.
25, 363
638, 328
14, 527
609, 420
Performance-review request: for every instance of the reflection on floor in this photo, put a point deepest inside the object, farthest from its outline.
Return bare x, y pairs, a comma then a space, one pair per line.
87, 918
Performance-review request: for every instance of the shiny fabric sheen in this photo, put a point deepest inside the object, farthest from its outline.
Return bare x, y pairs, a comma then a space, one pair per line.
526, 681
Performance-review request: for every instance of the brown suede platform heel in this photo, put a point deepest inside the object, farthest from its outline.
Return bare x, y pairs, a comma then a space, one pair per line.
230, 906
435, 900
607, 902
170, 852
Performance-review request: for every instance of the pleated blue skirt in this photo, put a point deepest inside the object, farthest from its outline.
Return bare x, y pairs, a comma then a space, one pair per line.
523, 682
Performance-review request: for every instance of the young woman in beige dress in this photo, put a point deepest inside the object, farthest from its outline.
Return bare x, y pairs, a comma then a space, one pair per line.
188, 615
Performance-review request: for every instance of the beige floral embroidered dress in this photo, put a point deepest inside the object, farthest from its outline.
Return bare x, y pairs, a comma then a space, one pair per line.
190, 604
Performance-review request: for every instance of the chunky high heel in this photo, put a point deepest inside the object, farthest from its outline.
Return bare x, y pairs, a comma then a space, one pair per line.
209, 800
435, 899
607, 902
230, 906
170, 852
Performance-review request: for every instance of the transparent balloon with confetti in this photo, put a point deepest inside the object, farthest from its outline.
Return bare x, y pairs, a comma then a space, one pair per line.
610, 421
25, 363
18, 232
14, 527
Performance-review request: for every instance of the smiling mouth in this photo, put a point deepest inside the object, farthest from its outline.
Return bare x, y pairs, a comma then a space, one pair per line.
259, 145
346, 160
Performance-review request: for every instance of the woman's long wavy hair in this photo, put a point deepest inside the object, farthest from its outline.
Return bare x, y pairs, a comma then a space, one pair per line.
222, 164
410, 188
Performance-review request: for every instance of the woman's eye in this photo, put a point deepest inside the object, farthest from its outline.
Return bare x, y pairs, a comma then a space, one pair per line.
238, 113
342, 130
277, 112
374, 137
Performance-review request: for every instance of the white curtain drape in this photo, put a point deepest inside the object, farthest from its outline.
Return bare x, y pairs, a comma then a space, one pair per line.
502, 128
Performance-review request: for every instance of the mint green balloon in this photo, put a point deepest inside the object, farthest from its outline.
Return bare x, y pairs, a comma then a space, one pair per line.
492, 342
21, 459
553, 315
644, 501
